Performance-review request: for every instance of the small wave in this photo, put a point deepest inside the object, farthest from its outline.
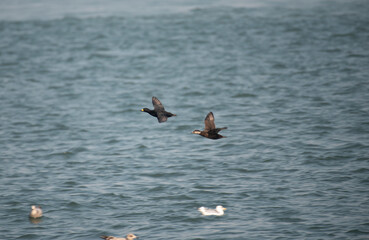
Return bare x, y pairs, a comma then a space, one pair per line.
361, 170
29, 236
193, 93
243, 170
70, 183
357, 232
343, 35
102, 55
244, 95
115, 195
183, 127
156, 189
73, 204
290, 219
141, 146
163, 175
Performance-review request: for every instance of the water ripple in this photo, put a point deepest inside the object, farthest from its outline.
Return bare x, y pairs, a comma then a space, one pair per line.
290, 85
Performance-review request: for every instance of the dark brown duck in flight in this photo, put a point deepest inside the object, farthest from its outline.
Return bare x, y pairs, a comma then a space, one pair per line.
210, 130
159, 111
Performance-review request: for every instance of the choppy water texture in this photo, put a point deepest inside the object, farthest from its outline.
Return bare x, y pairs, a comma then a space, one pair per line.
289, 79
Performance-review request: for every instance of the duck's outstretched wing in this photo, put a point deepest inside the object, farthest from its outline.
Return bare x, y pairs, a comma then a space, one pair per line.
157, 104
209, 122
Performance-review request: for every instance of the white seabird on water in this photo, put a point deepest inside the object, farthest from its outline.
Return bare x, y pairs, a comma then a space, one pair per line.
130, 236
36, 212
218, 211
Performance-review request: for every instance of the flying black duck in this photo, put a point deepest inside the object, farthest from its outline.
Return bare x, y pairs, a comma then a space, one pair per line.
210, 130
159, 111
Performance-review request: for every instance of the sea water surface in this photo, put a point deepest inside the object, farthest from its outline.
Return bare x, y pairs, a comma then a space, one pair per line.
290, 80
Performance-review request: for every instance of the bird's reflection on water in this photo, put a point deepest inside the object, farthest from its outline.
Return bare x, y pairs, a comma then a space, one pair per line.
35, 220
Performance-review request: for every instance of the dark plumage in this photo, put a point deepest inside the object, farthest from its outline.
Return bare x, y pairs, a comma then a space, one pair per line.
159, 111
210, 131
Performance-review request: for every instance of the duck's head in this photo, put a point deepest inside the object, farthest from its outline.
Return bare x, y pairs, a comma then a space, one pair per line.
145, 110
196, 132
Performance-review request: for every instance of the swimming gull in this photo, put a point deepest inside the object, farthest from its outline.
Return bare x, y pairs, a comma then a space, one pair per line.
130, 236
36, 212
218, 211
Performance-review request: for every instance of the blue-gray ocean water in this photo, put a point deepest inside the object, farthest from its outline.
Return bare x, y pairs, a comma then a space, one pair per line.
289, 79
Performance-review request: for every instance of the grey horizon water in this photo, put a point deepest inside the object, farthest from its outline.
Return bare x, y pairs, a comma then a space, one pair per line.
289, 79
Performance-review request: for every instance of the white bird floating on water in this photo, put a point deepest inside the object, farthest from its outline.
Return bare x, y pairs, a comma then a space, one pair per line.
130, 236
36, 212
218, 211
